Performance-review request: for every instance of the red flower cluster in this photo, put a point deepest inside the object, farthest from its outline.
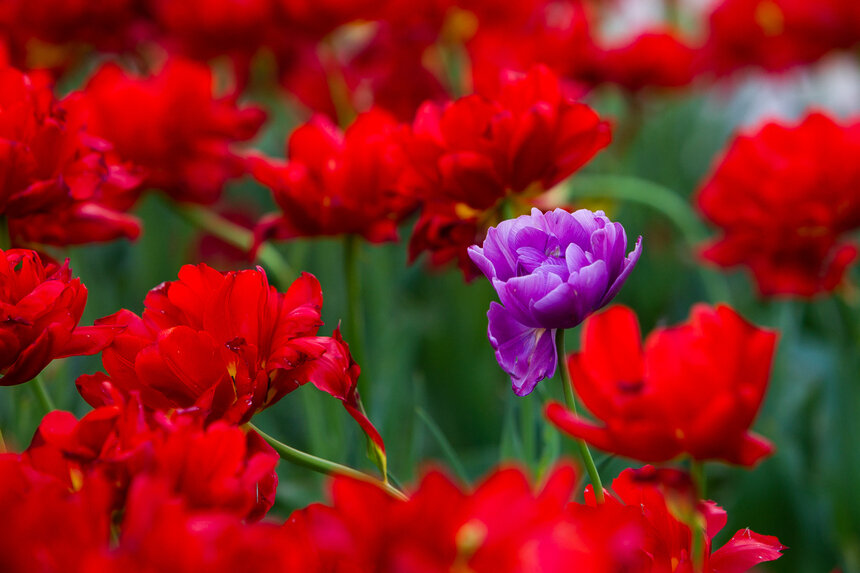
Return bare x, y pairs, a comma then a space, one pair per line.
210, 467
171, 124
694, 388
59, 184
470, 156
338, 183
785, 199
40, 308
503, 526
180, 495
227, 344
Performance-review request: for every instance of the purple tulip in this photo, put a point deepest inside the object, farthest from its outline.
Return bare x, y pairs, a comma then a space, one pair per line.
551, 270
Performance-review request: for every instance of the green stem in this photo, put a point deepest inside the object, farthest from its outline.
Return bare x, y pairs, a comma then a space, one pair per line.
3, 448
569, 399
322, 465
527, 421
355, 315
697, 473
38, 386
5, 239
239, 237
663, 200
338, 88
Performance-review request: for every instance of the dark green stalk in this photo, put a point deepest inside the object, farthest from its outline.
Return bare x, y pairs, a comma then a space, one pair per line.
38, 386
569, 399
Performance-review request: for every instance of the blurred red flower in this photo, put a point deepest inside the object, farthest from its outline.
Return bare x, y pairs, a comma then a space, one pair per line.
666, 505
337, 183
204, 29
160, 532
46, 526
219, 467
171, 124
776, 34
321, 17
107, 25
503, 525
785, 198
471, 155
59, 185
40, 308
656, 58
694, 388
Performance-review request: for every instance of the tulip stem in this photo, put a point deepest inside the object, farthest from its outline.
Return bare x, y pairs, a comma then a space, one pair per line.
697, 473
239, 237
3, 449
355, 316
322, 465
5, 239
570, 400
38, 386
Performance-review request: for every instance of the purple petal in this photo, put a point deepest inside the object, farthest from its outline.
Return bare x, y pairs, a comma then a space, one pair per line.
519, 293
568, 304
629, 263
526, 354
498, 252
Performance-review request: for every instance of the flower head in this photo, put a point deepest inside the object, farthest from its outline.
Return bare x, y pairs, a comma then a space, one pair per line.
694, 388
338, 182
550, 270
40, 308
171, 124
225, 343
785, 200
469, 157
59, 185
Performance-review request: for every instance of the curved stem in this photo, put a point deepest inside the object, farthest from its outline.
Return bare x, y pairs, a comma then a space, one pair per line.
569, 399
38, 386
323, 465
239, 237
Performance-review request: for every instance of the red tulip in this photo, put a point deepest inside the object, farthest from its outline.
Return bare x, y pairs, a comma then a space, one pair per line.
40, 308
338, 183
664, 504
656, 58
59, 185
226, 343
171, 124
693, 388
496, 528
785, 198
776, 34
46, 526
472, 154
219, 467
